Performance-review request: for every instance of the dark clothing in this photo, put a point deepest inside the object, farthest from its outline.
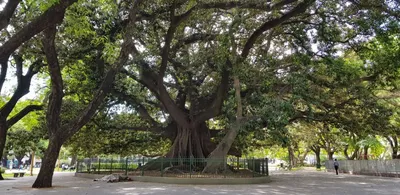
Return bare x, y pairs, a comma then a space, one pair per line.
336, 168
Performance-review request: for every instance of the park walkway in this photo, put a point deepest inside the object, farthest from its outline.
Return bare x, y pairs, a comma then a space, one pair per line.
285, 182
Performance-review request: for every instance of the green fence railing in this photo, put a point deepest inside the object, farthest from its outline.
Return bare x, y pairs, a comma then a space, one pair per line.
175, 167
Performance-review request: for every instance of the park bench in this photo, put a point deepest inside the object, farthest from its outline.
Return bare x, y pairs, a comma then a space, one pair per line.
20, 173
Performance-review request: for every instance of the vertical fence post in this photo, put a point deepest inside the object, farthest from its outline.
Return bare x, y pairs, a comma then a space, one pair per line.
225, 162
238, 163
111, 170
141, 167
190, 167
263, 166
126, 166
253, 166
99, 165
162, 166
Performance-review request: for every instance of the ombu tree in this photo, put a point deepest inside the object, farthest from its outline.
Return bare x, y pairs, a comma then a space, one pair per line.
189, 53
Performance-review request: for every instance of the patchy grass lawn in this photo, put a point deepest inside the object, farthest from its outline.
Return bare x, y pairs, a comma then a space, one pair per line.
11, 175
7, 175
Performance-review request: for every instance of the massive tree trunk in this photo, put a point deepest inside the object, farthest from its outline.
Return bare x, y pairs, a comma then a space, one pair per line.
191, 142
45, 177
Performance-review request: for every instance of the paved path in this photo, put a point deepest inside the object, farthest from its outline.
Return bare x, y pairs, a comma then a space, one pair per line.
296, 182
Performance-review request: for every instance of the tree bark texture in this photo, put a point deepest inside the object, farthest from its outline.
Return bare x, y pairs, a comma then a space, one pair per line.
330, 155
317, 152
223, 147
191, 142
292, 161
394, 145
3, 137
32, 161
45, 177
365, 155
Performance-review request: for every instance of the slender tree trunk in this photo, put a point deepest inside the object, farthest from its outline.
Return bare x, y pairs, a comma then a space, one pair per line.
30, 158
393, 145
317, 152
45, 177
4, 161
353, 155
346, 154
365, 155
330, 155
32, 161
73, 160
19, 159
292, 162
301, 159
224, 146
3, 137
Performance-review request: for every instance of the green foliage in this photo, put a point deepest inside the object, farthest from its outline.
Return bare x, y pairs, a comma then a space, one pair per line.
319, 78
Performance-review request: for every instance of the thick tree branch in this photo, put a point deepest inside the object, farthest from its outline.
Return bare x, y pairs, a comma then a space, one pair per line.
24, 83
147, 78
3, 73
153, 129
215, 108
167, 44
300, 8
134, 102
18, 66
191, 39
21, 114
50, 17
246, 4
8, 12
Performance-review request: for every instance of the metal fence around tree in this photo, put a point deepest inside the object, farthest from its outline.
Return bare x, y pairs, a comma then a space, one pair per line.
174, 167
385, 168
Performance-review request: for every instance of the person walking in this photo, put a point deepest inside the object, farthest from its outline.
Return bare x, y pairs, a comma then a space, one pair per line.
336, 165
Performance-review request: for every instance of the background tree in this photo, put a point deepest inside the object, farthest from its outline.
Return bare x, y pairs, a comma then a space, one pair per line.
21, 34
